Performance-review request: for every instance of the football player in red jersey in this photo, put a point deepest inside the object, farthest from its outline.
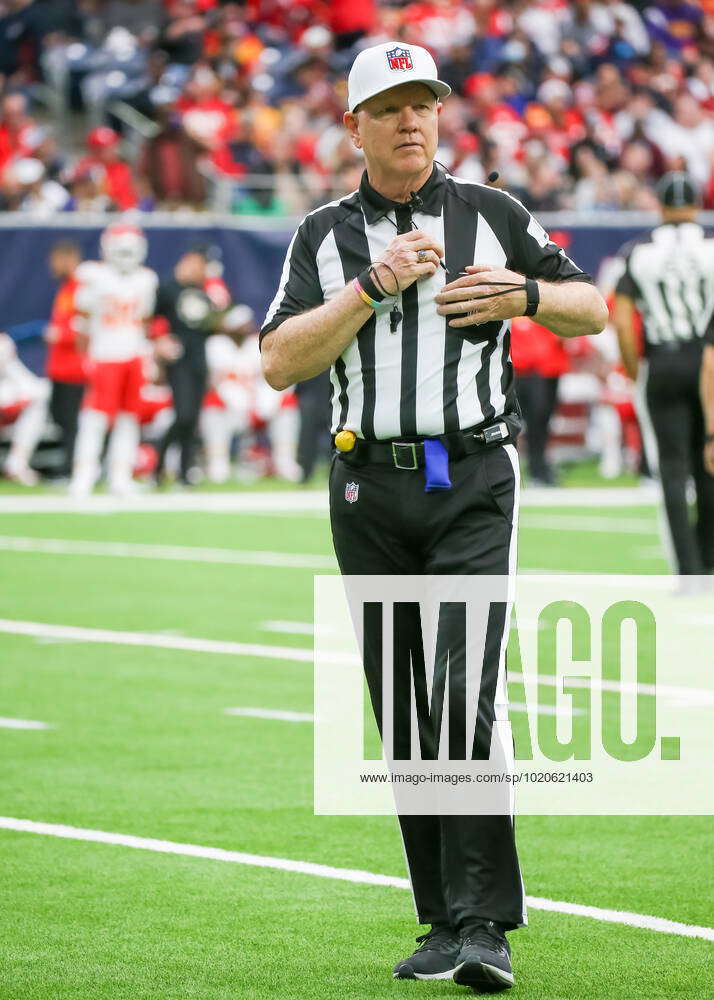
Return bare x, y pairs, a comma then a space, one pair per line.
117, 298
66, 363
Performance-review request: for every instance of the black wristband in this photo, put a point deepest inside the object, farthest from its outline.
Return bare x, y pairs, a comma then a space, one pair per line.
532, 297
365, 280
708, 438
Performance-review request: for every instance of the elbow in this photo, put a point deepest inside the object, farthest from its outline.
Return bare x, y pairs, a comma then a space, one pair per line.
598, 316
272, 373
275, 378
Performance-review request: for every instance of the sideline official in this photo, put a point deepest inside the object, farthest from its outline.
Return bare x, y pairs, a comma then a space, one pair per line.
405, 288
669, 278
186, 311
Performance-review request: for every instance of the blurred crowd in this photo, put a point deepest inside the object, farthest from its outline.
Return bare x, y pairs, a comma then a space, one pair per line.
114, 104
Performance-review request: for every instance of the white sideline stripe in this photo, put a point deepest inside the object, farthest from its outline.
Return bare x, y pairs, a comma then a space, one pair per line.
283, 716
643, 921
288, 628
23, 724
271, 713
679, 695
520, 706
178, 553
575, 522
75, 633
297, 502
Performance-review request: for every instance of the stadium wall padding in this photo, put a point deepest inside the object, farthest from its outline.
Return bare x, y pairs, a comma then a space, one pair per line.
252, 263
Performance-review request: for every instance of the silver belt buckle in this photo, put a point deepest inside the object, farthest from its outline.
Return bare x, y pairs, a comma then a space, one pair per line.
412, 453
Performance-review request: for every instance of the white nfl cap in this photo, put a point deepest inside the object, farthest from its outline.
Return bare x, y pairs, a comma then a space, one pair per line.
387, 65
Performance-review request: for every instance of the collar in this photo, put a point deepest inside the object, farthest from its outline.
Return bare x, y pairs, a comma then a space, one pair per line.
376, 206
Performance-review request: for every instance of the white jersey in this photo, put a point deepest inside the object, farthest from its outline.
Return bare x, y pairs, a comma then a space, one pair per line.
236, 375
118, 306
17, 383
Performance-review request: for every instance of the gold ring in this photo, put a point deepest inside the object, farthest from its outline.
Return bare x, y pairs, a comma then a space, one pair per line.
422, 256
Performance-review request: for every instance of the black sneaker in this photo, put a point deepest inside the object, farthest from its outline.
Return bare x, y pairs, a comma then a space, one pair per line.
435, 958
484, 961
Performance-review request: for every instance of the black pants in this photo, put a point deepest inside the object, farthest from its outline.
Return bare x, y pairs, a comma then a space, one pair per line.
675, 411
460, 867
537, 395
187, 378
65, 402
314, 402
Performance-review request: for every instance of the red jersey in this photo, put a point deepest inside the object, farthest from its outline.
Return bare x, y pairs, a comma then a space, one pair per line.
115, 180
64, 362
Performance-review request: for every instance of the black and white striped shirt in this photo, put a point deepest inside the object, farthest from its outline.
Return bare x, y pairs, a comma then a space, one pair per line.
424, 379
669, 273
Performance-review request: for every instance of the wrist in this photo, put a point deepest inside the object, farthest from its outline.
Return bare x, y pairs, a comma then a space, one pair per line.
532, 297
385, 277
372, 301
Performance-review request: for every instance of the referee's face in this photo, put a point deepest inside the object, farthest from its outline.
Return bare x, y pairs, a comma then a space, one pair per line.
398, 132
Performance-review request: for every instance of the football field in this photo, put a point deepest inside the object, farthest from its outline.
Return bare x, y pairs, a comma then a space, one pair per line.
157, 846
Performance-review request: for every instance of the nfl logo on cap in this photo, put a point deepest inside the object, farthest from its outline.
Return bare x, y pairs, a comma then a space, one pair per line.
400, 59
351, 492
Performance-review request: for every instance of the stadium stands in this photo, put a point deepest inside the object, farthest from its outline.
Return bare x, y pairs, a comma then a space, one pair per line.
236, 106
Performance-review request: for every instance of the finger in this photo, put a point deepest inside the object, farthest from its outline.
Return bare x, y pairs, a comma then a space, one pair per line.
464, 281
419, 237
471, 319
425, 270
426, 243
428, 255
457, 294
449, 308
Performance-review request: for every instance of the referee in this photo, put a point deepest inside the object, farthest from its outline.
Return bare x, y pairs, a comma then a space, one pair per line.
405, 288
669, 278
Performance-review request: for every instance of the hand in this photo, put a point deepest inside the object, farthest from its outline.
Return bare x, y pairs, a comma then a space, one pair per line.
401, 255
709, 457
462, 296
167, 348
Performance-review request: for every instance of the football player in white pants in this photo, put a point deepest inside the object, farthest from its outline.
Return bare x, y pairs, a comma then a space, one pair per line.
117, 298
23, 405
239, 399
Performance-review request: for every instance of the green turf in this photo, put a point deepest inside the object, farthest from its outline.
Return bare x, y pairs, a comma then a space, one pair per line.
141, 746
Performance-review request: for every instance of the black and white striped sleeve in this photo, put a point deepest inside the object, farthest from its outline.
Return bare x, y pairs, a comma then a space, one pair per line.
709, 332
300, 287
626, 284
533, 253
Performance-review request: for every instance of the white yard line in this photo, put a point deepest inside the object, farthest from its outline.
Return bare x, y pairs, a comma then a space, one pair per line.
279, 715
23, 724
641, 920
288, 628
297, 502
176, 553
587, 523
73, 633
271, 713
70, 633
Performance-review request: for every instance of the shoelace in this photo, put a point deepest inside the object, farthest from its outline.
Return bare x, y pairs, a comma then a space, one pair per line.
435, 937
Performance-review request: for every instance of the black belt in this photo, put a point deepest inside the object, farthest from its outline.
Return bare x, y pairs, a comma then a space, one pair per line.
409, 455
